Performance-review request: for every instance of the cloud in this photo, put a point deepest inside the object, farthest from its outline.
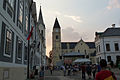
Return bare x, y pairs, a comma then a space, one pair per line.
113, 4
69, 34
75, 18
57, 13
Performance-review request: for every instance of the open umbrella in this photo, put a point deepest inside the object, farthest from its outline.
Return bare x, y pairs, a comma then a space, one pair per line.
81, 60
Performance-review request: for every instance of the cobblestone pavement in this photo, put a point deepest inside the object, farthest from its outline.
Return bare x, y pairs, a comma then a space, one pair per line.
58, 75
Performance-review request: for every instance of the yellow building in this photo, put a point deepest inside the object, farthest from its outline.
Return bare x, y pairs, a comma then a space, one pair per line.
74, 50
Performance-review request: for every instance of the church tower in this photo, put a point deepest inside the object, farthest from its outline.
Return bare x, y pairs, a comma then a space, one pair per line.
56, 42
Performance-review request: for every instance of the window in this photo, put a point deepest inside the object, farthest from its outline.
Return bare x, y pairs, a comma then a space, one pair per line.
56, 30
56, 36
19, 48
78, 50
116, 47
26, 22
8, 46
20, 11
109, 58
11, 2
107, 47
4, 4
42, 32
25, 53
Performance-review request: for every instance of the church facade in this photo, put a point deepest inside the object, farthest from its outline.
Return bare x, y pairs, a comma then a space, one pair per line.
69, 51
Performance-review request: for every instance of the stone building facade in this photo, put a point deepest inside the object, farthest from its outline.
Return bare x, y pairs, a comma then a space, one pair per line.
60, 48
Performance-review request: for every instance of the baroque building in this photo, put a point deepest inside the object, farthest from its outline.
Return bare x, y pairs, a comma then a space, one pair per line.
108, 45
67, 52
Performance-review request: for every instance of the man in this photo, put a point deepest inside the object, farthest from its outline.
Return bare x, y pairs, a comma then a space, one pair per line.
104, 74
83, 68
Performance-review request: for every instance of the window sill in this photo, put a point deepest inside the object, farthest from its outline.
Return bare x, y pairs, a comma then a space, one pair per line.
19, 58
6, 55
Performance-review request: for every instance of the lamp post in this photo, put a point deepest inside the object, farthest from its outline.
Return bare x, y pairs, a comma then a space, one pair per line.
28, 55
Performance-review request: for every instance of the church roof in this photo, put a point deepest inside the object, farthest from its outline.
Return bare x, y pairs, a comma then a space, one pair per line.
56, 24
90, 44
40, 19
73, 44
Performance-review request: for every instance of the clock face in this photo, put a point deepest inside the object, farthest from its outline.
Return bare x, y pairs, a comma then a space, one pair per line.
56, 30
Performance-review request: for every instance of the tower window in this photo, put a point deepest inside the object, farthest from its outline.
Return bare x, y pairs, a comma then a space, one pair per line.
56, 36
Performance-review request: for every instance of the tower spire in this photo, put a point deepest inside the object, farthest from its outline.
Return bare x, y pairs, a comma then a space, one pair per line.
40, 19
56, 24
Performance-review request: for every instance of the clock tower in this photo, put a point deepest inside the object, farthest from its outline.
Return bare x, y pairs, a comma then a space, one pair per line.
56, 42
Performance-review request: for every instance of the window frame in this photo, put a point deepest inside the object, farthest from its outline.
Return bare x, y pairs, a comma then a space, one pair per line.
7, 55
21, 8
11, 3
19, 58
117, 46
56, 37
107, 49
26, 21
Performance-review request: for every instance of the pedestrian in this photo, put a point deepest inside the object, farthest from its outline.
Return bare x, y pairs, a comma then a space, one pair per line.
112, 64
98, 68
64, 69
36, 73
89, 70
94, 70
69, 70
32, 74
51, 69
119, 65
41, 73
83, 68
104, 74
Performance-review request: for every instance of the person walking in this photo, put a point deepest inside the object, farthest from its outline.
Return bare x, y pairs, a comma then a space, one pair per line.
94, 70
119, 65
51, 69
41, 73
83, 68
64, 69
69, 70
104, 74
98, 68
89, 70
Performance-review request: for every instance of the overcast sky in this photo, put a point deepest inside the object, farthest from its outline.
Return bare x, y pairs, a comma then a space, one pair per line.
78, 18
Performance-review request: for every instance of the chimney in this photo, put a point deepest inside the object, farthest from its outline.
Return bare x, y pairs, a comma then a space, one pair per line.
113, 25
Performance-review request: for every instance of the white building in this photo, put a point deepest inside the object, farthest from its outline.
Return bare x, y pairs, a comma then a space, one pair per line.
108, 45
14, 25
